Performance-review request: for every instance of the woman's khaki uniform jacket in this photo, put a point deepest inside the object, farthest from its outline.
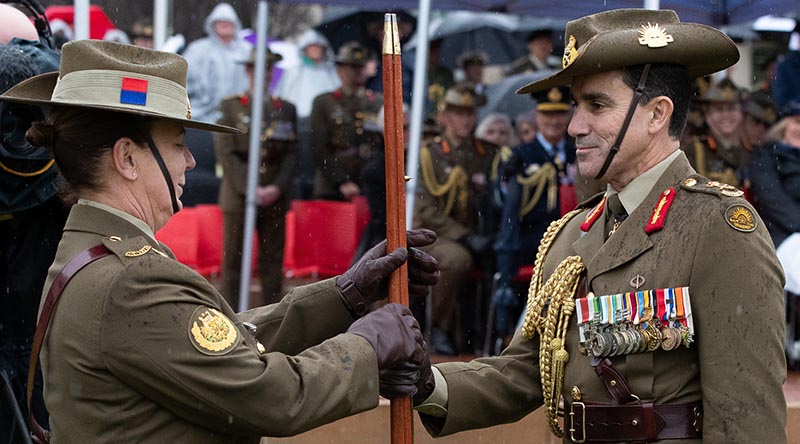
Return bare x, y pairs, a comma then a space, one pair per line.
141, 349
736, 365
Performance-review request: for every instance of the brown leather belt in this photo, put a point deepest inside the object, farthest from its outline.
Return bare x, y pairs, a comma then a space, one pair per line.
638, 422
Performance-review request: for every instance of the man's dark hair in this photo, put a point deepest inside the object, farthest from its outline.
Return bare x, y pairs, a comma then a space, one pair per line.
668, 80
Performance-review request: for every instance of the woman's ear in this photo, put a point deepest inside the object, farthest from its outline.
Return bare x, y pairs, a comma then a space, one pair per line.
124, 157
662, 108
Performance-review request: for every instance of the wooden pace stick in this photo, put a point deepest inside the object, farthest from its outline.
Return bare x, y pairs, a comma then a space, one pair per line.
402, 420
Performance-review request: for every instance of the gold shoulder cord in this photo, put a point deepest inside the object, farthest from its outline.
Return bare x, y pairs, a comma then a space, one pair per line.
545, 177
549, 308
456, 185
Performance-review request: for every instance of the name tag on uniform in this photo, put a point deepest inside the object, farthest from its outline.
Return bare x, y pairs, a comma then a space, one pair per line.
635, 322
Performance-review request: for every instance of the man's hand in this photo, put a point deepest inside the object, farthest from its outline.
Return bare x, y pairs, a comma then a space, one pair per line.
367, 281
267, 195
349, 190
395, 336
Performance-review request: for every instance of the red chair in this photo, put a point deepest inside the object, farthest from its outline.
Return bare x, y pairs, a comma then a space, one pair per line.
210, 239
322, 236
181, 235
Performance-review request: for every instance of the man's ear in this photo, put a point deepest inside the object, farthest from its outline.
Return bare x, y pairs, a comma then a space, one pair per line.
123, 155
662, 108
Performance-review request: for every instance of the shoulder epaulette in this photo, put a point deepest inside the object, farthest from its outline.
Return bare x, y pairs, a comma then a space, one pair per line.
701, 184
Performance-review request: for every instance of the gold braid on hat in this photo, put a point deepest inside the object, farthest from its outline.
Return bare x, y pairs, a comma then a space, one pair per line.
544, 178
549, 308
454, 189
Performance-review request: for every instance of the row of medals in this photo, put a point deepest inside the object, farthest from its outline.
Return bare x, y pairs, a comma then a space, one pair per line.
626, 338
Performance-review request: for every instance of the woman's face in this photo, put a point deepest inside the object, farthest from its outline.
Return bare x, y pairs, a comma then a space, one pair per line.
168, 138
498, 133
791, 135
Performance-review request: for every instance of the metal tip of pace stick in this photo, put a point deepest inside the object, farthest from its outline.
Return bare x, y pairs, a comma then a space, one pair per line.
391, 37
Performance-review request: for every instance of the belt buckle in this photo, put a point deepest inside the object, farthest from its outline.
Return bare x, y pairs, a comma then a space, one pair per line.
572, 422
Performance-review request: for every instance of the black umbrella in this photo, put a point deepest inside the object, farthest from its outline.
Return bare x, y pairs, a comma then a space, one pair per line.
502, 97
343, 25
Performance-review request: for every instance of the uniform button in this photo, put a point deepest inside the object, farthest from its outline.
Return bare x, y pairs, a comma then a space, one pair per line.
261, 348
634, 423
613, 383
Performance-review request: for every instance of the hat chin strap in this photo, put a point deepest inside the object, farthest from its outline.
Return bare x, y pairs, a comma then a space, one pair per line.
637, 95
164, 171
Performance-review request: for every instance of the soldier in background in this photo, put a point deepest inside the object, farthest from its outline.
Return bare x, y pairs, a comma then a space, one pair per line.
721, 153
472, 63
141, 33
527, 195
276, 171
455, 169
539, 57
759, 116
339, 144
440, 78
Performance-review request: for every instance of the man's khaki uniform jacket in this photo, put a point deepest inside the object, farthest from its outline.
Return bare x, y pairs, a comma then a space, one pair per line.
736, 365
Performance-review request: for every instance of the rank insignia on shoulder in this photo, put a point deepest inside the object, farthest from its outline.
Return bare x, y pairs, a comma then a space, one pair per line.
740, 218
211, 332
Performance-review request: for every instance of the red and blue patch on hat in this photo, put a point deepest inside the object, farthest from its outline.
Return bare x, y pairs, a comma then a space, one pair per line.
133, 91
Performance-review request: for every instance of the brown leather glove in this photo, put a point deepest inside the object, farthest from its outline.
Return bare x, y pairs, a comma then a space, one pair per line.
394, 334
426, 382
367, 281
399, 382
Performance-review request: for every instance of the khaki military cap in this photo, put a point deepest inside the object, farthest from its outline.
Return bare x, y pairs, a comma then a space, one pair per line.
614, 39
353, 53
761, 107
464, 96
556, 98
142, 28
272, 58
115, 77
724, 91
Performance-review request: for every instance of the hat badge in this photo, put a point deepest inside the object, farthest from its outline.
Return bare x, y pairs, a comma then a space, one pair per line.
554, 95
728, 93
466, 98
654, 36
570, 53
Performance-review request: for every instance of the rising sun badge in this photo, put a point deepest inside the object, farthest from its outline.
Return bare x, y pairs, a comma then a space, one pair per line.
740, 218
654, 36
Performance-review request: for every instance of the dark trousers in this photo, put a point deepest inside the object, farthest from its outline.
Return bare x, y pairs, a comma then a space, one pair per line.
271, 228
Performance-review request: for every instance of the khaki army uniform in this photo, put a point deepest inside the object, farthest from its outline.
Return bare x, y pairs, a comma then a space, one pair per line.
454, 179
339, 144
719, 161
157, 355
709, 242
277, 166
